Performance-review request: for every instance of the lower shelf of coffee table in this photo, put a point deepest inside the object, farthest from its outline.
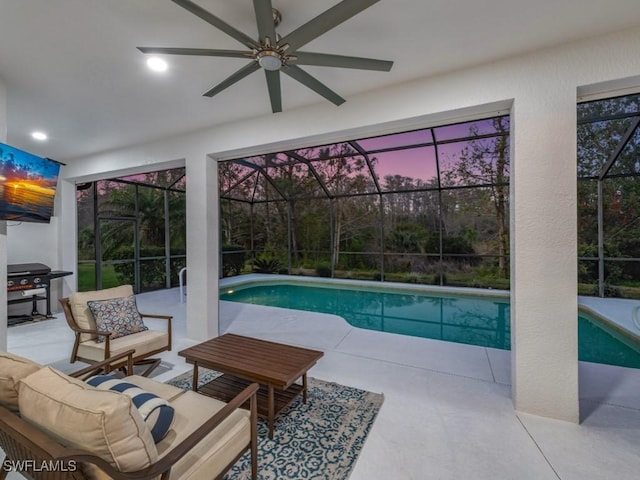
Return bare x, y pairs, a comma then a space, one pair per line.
227, 386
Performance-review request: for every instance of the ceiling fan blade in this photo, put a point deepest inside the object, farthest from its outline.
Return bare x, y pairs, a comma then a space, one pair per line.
324, 22
264, 19
205, 52
307, 80
273, 84
237, 76
327, 60
216, 22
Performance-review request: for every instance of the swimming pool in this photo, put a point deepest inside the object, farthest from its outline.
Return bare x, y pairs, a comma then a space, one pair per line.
472, 319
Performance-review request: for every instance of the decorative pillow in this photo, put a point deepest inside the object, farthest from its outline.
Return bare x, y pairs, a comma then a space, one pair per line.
118, 315
78, 415
82, 314
156, 411
12, 369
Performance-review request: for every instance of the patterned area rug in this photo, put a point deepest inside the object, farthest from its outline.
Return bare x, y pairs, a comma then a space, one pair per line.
317, 440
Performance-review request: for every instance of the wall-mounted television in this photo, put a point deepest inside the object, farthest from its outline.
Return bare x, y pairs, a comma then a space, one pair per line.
27, 185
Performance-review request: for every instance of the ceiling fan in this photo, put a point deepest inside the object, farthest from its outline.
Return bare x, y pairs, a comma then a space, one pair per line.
275, 54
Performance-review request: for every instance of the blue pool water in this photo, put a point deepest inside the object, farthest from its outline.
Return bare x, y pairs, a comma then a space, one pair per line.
475, 320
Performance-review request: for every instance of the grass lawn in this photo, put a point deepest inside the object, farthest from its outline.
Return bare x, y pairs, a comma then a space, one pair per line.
87, 277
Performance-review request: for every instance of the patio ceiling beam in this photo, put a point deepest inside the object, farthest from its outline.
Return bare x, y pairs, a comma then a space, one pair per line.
619, 148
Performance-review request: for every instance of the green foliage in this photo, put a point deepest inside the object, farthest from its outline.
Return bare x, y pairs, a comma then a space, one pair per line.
152, 272
408, 237
287, 208
323, 270
135, 206
436, 279
86, 277
266, 264
609, 291
86, 244
452, 244
413, 278
233, 259
587, 270
177, 264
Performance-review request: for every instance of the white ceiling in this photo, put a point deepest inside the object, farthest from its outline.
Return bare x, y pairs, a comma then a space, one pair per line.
72, 69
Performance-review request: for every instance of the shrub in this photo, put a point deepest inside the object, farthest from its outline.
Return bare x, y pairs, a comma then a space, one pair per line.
413, 277
323, 270
233, 258
152, 272
265, 264
609, 291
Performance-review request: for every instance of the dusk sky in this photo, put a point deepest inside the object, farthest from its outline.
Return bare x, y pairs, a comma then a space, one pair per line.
401, 153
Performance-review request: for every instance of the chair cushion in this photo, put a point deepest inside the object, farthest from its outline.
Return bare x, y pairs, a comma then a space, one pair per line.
142, 342
103, 422
81, 313
215, 451
117, 315
156, 411
12, 369
163, 390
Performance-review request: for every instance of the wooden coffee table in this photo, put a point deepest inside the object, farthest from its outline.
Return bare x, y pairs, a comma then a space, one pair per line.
244, 360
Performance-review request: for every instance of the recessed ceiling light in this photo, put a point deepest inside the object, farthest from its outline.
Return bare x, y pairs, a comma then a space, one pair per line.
157, 64
39, 136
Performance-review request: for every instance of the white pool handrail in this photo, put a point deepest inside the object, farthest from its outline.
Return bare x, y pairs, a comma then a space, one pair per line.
634, 316
182, 284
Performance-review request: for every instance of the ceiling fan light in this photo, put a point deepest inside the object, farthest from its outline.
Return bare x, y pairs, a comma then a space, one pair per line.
269, 60
157, 64
41, 136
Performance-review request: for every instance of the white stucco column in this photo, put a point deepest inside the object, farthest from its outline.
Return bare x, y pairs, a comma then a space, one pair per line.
544, 336
66, 208
202, 247
3, 229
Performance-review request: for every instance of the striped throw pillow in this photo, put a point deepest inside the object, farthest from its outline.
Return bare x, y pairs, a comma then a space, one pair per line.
155, 411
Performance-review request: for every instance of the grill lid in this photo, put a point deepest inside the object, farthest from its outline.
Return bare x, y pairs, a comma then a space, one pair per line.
19, 269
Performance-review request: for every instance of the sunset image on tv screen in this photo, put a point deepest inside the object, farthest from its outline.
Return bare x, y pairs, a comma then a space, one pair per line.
27, 185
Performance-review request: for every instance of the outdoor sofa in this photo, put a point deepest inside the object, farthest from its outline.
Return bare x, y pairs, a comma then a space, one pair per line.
56, 426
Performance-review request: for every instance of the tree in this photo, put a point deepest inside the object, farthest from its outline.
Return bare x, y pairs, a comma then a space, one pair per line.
145, 205
602, 129
325, 200
485, 162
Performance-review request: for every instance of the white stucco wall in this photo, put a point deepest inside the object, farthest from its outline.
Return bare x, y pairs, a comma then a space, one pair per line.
29, 242
540, 89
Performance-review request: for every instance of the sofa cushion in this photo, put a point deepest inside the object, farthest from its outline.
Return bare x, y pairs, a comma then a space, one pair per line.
103, 422
215, 451
80, 310
142, 342
156, 411
12, 369
117, 315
